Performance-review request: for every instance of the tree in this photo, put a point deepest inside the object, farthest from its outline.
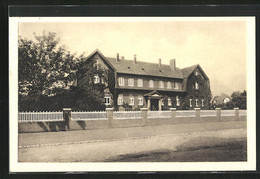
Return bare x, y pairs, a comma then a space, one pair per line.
45, 68
239, 99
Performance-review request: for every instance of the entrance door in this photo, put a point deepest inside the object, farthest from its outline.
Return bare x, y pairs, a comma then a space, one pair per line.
154, 104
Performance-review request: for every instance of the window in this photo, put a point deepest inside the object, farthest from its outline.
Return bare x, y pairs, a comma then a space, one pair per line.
140, 100
130, 81
175, 85
190, 102
196, 85
161, 84
162, 102
177, 101
169, 101
202, 102
140, 82
107, 100
196, 73
131, 100
121, 81
196, 103
169, 85
120, 99
96, 79
151, 84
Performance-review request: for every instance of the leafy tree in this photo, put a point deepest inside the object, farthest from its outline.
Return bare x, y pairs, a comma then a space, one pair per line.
45, 68
239, 99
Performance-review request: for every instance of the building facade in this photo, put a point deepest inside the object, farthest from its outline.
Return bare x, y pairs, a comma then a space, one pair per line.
140, 84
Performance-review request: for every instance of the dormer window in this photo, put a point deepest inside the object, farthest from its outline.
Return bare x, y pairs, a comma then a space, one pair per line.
96, 79
196, 73
151, 84
130, 81
161, 84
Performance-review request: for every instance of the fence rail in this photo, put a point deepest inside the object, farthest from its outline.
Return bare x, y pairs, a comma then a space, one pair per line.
159, 114
87, 115
127, 114
40, 116
103, 115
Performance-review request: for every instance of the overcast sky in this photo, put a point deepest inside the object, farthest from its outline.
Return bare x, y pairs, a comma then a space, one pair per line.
218, 46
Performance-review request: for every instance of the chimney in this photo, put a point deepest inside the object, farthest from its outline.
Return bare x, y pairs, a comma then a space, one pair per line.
122, 57
173, 64
117, 57
160, 62
134, 59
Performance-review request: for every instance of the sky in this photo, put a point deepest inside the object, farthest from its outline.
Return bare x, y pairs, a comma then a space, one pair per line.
218, 46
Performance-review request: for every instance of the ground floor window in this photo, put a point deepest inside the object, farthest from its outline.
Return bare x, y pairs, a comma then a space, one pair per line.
177, 101
140, 101
202, 102
196, 103
190, 102
131, 101
120, 99
107, 100
169, 101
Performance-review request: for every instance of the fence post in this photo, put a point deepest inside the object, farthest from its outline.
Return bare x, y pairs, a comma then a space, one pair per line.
218, 113
197, 110
144, 114
109, 115
236, 113
173, 112
67, 117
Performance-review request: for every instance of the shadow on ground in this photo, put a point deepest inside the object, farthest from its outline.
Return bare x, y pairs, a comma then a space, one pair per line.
206, 149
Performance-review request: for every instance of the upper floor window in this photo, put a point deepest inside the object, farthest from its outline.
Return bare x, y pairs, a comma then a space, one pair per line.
131, 81
131, 100
196, 85
176, 85
107, 100
177, 101
169, 101
140, 82
151, 84
161, 84
140, 100
121, 81
120, 99
96, 79
169, 85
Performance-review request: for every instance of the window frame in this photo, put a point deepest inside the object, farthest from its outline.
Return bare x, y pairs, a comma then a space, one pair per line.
169, 101
175, 85
151, 84
131, 99
109, 100
121, 81
131, 82
120, 99
161, 84
169, 85
177, 101
96, 79
142, 101
139, 82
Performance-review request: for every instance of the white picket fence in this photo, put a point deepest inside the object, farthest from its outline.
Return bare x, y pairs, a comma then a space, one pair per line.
102, 115
127, 114
88, 115
40, 116
159, 114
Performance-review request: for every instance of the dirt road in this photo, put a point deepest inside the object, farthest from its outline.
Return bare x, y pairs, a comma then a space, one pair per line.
105, 150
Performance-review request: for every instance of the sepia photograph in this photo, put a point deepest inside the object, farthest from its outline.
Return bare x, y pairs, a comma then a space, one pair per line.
132, 93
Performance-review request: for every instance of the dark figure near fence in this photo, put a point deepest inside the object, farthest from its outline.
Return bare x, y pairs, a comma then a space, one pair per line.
67, 119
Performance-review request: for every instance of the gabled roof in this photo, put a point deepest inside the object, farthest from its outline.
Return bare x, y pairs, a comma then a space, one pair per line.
186, 72
144, 68
153, 94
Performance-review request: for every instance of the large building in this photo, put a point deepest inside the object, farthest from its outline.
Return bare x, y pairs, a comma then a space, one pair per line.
154, 86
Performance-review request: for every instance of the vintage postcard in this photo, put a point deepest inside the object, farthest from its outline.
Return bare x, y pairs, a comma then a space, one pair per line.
93, 94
